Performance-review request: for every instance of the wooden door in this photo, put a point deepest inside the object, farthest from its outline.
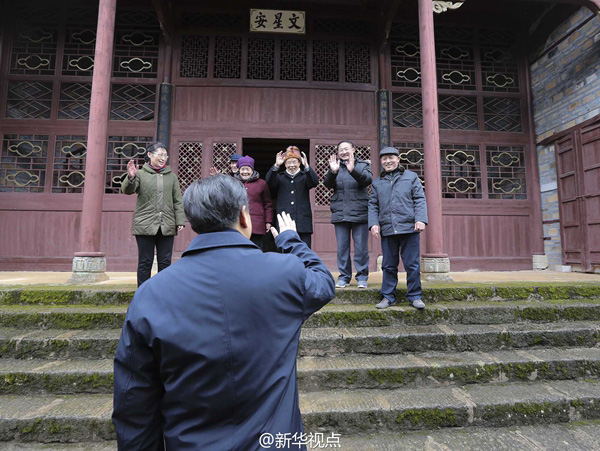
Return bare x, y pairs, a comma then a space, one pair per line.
578, 170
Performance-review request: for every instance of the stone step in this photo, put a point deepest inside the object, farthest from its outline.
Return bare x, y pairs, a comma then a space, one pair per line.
61, 295
58, 343
19, 376
488, 312
343, 315
70, 418
578, 436
102, 343
63, 317
447, 338
433, 369
87, 417
346, 412
29, 376
107, 445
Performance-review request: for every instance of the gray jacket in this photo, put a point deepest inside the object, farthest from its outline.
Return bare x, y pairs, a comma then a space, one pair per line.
397, 201
350, 199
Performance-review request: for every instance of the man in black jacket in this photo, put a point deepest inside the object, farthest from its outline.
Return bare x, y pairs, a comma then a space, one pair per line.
398, 213
350, 178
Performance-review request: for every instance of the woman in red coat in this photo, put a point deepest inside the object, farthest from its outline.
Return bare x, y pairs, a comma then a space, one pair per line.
259, 199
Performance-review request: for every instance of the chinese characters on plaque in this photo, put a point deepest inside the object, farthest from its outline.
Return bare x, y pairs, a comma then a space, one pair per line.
277, 21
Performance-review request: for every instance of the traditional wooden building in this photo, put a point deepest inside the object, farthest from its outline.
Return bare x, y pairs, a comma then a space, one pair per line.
84, 85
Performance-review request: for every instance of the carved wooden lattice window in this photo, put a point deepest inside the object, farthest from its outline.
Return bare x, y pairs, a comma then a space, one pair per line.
506, 172
228, 57
454, 60
357, 62
499, 66
132, 102
335, 25
502, 114
412, 158
326, 61
214, 21
136, 53
293, 60
261, 59
194, 56
34, 52
458, 112
23, 166
322, 153
407, 110
69, 164
222, 152
74, 101
190, 163
461, 172
121, 149
78, 58
29, 100
405, 56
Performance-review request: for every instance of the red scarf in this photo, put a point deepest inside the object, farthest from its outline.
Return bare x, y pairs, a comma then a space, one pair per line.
157, 168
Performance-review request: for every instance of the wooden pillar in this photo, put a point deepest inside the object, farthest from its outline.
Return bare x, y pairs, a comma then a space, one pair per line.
163, 133
89, 265
383, 105
435, 263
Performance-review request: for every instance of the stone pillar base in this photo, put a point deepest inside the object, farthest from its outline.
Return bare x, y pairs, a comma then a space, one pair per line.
88, 270
435, 269
540, 262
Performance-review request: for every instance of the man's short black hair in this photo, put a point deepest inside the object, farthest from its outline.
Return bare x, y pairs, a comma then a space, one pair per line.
214, 203
344, 141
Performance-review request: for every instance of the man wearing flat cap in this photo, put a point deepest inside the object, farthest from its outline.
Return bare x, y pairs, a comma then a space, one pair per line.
398, 214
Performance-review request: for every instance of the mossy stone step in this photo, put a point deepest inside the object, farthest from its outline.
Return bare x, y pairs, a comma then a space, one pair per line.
435, 369
575, 436
18, 376
102, 343
61, 317
362, 411
61, 295
482, 312
71, 418
107, 445
86, 418
345, 315
58, 343
447, 338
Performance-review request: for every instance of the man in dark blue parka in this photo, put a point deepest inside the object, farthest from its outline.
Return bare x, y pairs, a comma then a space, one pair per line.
207, 356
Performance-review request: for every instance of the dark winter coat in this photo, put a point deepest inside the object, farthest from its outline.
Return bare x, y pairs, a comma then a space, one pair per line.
397, 201
158, 203
293, 194
207, 356
350, 199
260, 203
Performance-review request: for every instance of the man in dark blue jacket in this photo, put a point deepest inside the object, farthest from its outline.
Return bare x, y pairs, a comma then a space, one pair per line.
398, 213
350, 179
207, 356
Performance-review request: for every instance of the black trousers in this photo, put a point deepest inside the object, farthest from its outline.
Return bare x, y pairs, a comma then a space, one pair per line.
146, 245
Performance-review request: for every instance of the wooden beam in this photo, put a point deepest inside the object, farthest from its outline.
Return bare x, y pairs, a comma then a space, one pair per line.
164, 12
593, 5
387, 15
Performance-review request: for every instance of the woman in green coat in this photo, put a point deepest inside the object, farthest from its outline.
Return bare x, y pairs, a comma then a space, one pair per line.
158, 211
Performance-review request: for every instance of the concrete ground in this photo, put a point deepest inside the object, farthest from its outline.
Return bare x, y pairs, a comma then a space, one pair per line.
126, 278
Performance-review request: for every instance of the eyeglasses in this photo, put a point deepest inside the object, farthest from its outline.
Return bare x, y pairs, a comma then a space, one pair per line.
162, 155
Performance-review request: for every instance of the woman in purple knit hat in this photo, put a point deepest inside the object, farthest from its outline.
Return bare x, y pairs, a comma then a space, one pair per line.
259, 199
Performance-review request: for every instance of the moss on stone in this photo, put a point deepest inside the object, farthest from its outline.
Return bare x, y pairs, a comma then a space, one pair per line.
515, 293
46, 297
427, 418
